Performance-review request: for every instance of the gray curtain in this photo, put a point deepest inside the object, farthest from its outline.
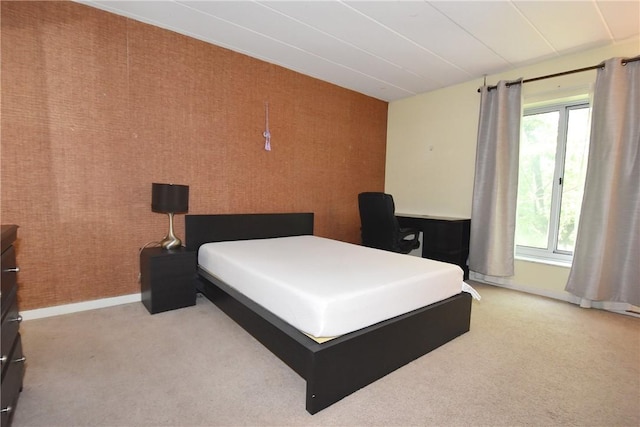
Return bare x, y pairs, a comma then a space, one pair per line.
606, 261
493, 211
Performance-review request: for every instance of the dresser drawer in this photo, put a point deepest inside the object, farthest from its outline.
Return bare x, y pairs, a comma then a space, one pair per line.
12, 382
9, 275
447, 236
9, 329
9, 234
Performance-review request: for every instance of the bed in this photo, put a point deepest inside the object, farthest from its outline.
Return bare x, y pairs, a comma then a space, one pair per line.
336, 367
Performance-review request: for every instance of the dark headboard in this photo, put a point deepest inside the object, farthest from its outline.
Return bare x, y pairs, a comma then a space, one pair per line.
201, 229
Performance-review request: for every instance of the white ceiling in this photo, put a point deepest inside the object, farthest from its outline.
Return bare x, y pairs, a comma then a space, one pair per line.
394, 49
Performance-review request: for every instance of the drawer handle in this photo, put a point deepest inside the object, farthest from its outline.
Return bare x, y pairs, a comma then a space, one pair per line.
6, 410
3, 359
11, 270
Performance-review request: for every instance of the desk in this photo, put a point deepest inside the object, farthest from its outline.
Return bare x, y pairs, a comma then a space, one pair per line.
443, 238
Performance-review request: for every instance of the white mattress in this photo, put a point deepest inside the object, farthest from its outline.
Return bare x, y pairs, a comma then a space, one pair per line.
327, 288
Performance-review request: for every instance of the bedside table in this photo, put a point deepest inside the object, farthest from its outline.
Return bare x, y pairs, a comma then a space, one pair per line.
167, 278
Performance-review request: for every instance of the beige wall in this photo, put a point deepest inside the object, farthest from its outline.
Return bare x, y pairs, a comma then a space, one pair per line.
431, 143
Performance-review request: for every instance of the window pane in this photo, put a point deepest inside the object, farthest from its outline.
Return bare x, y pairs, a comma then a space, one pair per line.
575, 169
535, 179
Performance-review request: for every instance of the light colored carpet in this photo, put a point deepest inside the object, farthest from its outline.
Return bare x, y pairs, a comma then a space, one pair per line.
527, 360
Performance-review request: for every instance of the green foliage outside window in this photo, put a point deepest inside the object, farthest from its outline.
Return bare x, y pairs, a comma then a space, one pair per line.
553, 158
535, 179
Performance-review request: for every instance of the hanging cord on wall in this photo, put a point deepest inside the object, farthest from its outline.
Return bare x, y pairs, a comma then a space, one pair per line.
146, 245
563, 73
266, 133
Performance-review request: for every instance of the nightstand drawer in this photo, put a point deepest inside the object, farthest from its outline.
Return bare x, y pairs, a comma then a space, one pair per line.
167, 279
177, 266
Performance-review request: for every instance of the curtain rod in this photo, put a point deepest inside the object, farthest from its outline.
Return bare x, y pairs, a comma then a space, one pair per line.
564, 73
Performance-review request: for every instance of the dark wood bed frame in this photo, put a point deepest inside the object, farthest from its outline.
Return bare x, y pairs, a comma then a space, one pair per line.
343, 365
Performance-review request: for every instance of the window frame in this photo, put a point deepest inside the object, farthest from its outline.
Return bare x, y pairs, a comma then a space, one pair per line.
551, 254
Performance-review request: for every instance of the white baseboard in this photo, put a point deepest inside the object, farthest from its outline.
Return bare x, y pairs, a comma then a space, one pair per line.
508, 283
58, 310
79, 306
617, 307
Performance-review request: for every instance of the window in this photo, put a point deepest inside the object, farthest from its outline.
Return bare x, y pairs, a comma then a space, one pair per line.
554, 146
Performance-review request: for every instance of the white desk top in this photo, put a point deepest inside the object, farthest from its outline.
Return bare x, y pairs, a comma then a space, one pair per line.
421, 216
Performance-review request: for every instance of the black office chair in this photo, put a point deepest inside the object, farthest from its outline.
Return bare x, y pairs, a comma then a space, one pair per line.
379, 225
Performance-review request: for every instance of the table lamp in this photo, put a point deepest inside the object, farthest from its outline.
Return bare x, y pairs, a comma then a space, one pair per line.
170, 199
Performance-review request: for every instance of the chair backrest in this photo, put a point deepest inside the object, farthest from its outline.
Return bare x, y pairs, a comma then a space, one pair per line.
379, 225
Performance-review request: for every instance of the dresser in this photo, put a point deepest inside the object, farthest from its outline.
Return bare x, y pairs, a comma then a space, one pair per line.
443, 238
11, 346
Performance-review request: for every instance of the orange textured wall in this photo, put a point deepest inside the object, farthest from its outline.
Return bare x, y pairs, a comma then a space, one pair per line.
96, 107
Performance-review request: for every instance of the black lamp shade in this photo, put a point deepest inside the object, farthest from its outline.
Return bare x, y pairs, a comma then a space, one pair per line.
169, 198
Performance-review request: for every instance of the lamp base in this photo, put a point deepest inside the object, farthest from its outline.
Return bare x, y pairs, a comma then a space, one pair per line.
170, 241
